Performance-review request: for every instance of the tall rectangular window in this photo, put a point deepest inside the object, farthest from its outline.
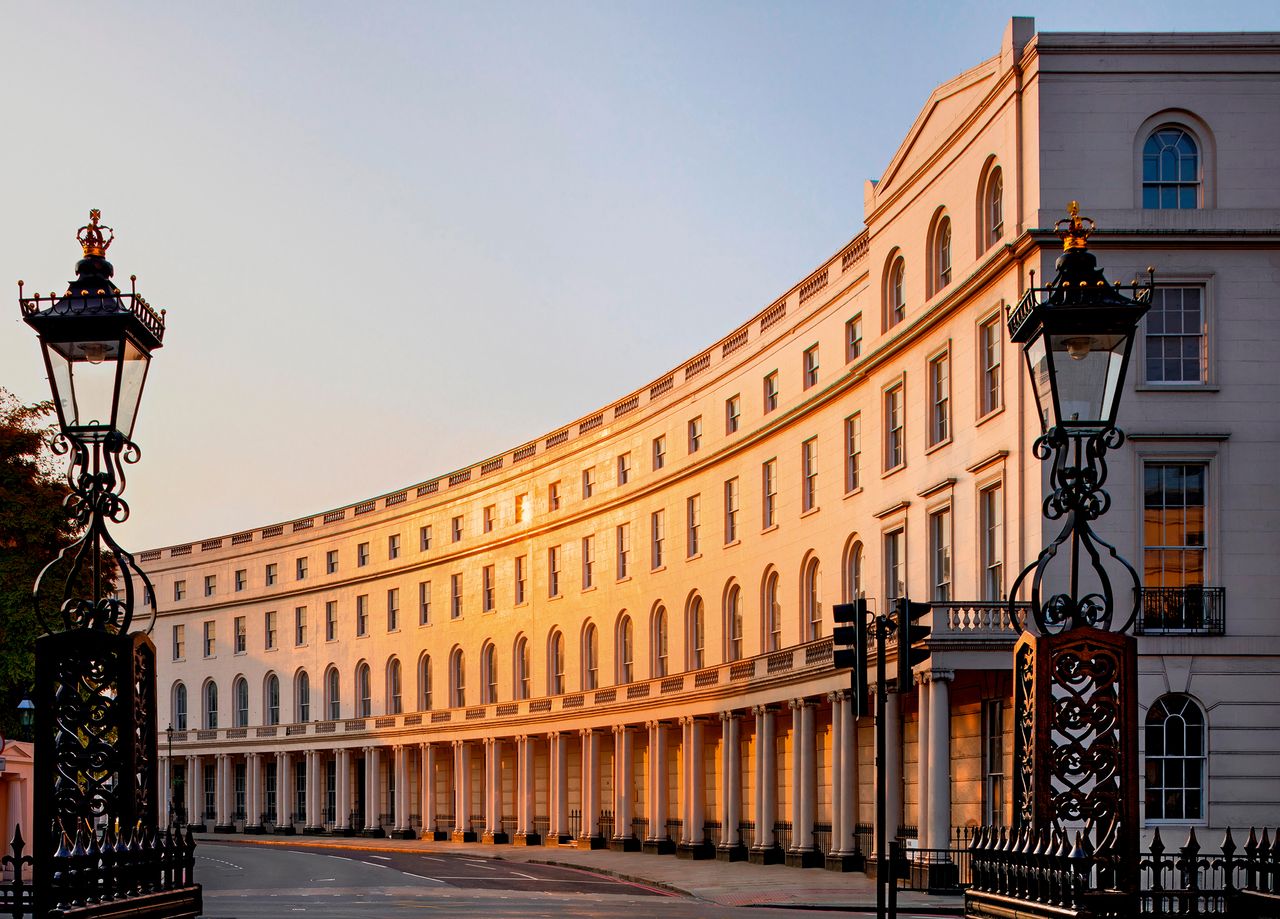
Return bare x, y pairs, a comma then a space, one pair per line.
769, 489
393, 609
770, 392
270, 630
424, 537
853, 452
732, 414
424, 602
180, 590
993, 810
488, 588
331, 561
939, 399
624, 468
657, 534
393, 546
894, 428
1174, 531
362, 555
588, 482
731, 510
588, 562
895, 564
991, 527
623, 537
695, 434
331, 620
659, 452
455, 526
940, 554
487, 517
1175, 336
853, 338
693, 524
273, 574
299, 625
809, 469
179, 642
524, 512
210, 639
210, 584
990, 383
362, 614
809, 367
242, 579
553, 571
241, 634
300, 568
553, 496
521, 578
455, 596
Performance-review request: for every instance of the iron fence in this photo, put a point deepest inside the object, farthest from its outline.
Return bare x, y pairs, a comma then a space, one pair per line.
746, 832
575, 823
606, 824
477, 823
640, 827
444, 823
675, 829
822, 838
711, 832
541, 825
864, 836
782, 834
508, 826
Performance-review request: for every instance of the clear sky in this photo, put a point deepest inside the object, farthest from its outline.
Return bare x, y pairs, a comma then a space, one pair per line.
397, 238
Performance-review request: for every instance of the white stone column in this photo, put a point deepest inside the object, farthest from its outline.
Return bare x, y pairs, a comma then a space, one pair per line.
342, 777
252, 792
591, 784
427, 757
558, 754
462, 792
939, 758
695, 785
194, 792
222, 781
314, 816
837, 768
924, 762
893, 766
730, 780
284, 790
661, 792
373, 789
400, 801
766, 777
844, 776
624, 781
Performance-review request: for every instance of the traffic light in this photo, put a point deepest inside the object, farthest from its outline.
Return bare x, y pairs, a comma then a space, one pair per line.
851, 648
911, 630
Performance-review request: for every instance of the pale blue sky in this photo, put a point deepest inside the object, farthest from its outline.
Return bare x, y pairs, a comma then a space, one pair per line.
397, 238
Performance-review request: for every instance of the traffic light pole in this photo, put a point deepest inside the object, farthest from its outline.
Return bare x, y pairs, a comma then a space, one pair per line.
882, 808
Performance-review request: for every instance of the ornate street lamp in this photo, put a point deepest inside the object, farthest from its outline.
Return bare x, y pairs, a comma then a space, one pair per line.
26, 713
95, 693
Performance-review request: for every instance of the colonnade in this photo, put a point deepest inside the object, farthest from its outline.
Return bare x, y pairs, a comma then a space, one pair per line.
768, 783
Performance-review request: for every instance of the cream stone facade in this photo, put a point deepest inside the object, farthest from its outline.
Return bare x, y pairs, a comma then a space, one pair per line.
618, 634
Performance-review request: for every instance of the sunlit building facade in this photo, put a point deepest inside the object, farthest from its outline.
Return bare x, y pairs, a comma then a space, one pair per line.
619, 633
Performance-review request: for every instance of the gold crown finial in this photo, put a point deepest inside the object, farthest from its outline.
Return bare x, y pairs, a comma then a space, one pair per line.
90, 236
1072, 230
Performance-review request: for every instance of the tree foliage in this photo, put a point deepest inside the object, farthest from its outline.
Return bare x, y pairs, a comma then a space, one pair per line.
34, 528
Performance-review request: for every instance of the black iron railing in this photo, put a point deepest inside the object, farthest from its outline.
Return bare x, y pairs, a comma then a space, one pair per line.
541, 825
822, 838
444, 823
675, 829
575, 823
640, 827
746, 832
606, 824
1182, 610
782, 833
863, 837
508, 826
477, 823
711, 832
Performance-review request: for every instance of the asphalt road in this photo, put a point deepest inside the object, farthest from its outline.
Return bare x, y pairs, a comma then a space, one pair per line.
252, 882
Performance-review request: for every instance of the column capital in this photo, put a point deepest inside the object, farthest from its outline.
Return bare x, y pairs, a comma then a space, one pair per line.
936, 675
838, 695
728, 715
766, 709
796, 704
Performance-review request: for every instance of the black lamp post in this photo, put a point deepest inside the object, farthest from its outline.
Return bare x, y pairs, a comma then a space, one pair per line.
95, 739
26, 713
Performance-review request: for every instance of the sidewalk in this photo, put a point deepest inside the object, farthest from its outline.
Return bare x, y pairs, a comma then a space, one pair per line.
723, 883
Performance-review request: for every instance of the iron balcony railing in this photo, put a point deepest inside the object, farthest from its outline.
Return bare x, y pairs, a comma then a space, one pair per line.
1192, 610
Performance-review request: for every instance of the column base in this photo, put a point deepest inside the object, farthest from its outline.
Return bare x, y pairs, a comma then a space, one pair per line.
526, 839
736, 853
313, 831
286, 830
495, 839
435, 835
256, 830
804, 858
590, 842
463, 836
624, 844
765, 855
403, 834
374, 832
658, 846
224, 828
852, 861
343, 831
557, 839
698, 851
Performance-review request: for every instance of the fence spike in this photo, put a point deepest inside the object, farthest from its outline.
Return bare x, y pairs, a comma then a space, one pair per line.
1192, 845
1228, 846
1157, 844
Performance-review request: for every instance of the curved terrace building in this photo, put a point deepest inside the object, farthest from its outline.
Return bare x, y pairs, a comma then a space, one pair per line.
619, 633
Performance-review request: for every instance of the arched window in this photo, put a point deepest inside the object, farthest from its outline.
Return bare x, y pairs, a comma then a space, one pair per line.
895, 296
590, 657
660, 653
302, 697
489, 673
424, 683
695, 635
395, 698
771, 613
523, 674
273, 699
1176, 755
240, 696
853, 588
733, 623
940, 255
993, 205
332, 694
1170, 170
811, 591
179, 706
555, 664
210, 705
626, 651
457, 679
364, 691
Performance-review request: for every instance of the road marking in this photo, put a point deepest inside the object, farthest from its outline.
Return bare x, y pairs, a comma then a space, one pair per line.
430, 859
529, 876
422, 877
480, 865
381, 858
313, 880
341, 858
375, 865
220, 862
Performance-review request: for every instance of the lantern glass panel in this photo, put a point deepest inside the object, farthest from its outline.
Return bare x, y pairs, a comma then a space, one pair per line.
1087, 370
133, 373
83, 374
1041, 379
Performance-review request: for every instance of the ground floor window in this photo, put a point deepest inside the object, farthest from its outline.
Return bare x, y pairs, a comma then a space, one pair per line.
270, 795
1176, 759
993, 795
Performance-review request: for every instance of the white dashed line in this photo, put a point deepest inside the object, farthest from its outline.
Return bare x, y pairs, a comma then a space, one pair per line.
381, 858
421, 877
